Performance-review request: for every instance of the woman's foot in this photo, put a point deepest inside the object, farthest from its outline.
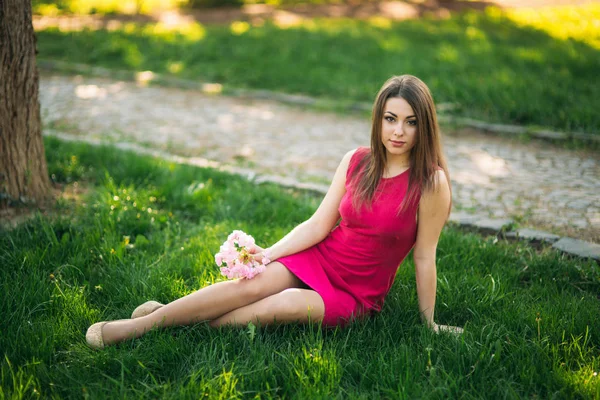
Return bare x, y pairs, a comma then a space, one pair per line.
107, 333
147, 308
94, 337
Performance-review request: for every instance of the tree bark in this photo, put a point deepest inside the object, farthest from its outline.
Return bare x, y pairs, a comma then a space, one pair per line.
23, 170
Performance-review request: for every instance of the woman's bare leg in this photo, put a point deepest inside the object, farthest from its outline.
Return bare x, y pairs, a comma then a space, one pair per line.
207, 303
289, 305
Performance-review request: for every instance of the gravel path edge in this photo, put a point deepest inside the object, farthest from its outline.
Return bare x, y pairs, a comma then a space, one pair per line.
501, 228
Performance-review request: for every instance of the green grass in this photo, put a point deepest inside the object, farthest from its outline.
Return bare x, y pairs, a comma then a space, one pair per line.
148, 229
497, 66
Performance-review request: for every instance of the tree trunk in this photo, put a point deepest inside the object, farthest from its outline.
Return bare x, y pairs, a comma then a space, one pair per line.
23, 170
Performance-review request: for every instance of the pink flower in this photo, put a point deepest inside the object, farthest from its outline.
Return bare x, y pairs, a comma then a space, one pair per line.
234, 259
225, 271
246, 241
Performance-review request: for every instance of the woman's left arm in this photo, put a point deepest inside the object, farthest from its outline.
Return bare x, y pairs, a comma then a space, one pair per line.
432, 215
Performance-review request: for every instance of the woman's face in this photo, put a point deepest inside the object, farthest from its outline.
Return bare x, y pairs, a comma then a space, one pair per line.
398, 129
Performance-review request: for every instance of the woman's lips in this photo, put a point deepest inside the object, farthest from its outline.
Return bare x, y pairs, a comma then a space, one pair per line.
397, 144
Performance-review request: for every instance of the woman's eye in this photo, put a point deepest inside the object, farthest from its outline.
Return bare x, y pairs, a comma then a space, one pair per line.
412, 122
389, 119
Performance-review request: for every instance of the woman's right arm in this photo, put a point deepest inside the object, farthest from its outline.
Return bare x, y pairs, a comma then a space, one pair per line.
317, 227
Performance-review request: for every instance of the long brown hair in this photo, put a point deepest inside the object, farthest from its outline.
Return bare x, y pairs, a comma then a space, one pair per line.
425, 157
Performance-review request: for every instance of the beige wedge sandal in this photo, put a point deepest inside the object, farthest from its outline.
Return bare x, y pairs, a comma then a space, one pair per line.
94, 337
147, 308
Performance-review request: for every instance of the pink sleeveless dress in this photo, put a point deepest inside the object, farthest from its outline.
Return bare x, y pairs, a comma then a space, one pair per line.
354, 267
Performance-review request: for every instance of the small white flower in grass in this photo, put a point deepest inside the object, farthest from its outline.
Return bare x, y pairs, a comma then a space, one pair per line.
235, 258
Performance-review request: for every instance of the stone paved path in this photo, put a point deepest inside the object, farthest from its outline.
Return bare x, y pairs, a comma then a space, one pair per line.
540, 185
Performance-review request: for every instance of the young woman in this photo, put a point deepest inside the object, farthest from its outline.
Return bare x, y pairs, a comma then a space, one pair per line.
391, 197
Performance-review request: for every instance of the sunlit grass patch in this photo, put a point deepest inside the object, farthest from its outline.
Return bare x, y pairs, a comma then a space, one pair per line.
85, 7
581, 23
531, 318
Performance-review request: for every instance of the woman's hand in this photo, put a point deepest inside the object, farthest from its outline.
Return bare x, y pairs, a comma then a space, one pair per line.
256, 249
447, 328
258, 253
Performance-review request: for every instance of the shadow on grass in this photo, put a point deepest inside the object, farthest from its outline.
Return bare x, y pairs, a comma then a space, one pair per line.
227, 11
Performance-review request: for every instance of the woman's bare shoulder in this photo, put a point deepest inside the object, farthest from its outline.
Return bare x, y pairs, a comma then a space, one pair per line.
348, 157
439, 181
352, 157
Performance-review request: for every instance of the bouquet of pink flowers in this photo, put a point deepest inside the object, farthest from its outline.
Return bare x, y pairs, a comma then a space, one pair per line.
235, 257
